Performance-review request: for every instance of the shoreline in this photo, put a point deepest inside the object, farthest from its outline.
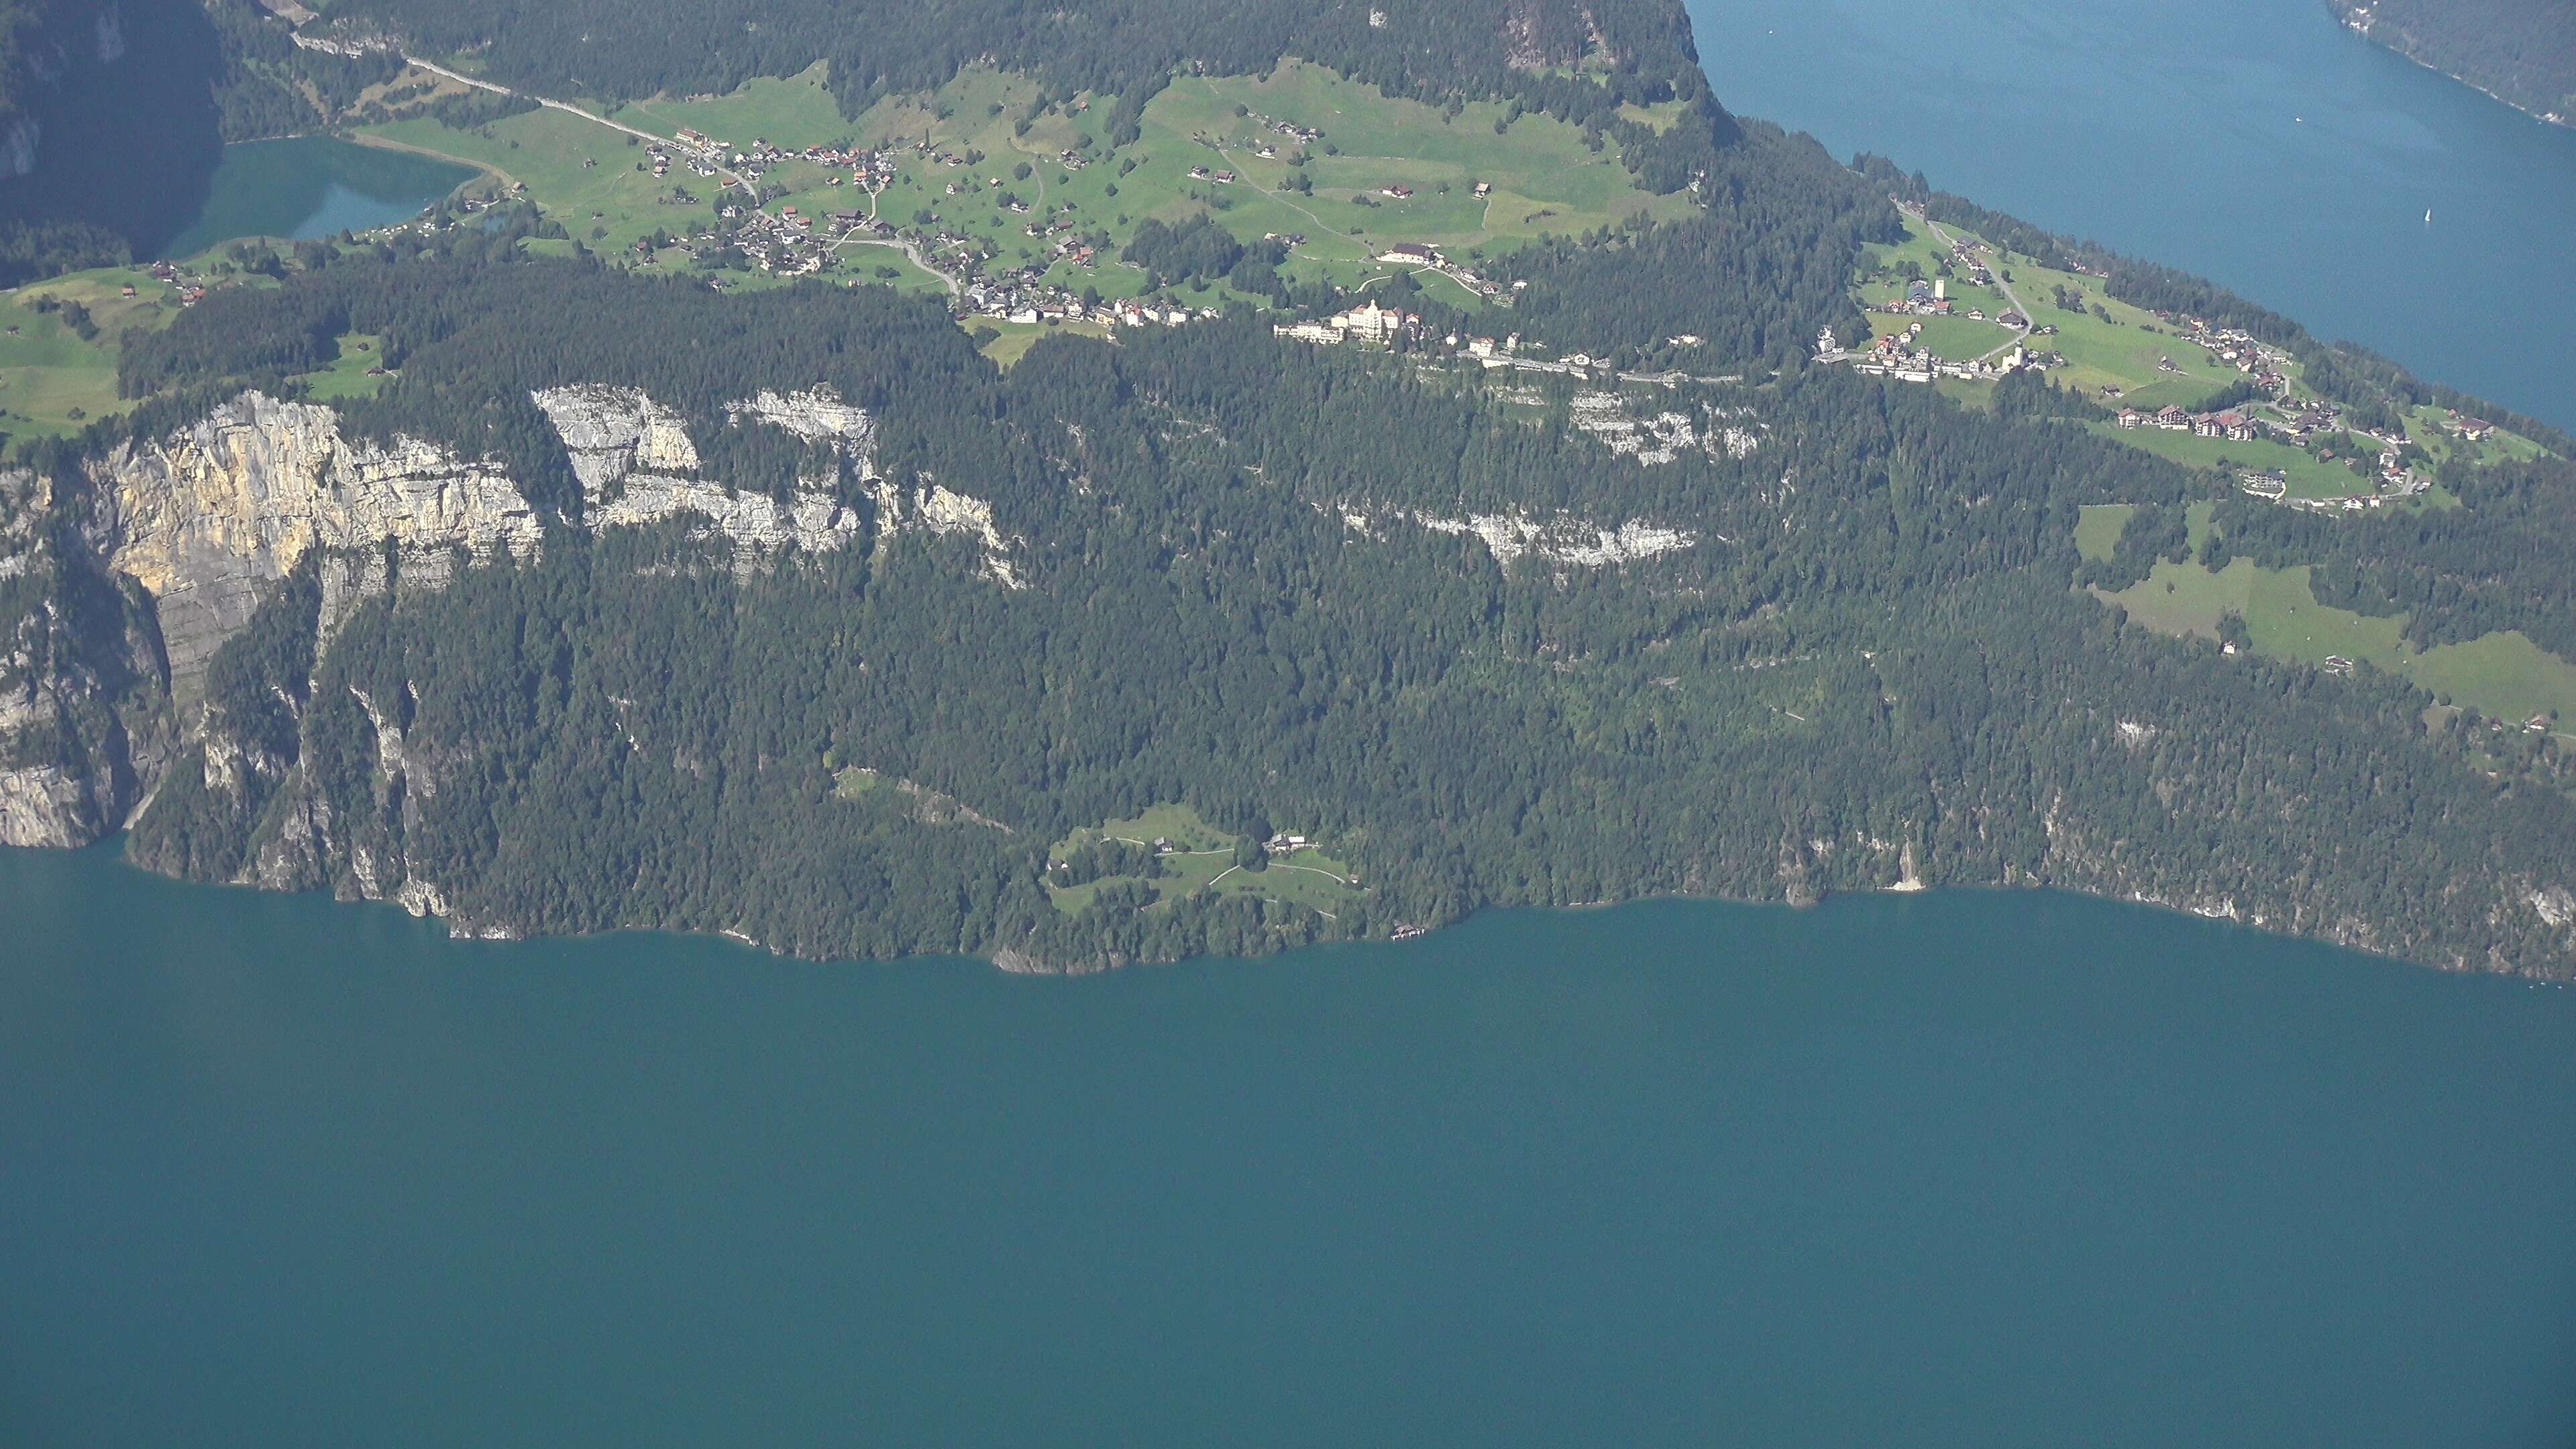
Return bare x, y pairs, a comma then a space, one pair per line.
1013, 961
2343, 17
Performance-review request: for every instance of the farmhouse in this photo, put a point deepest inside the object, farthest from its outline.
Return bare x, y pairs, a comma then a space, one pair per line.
1411, 254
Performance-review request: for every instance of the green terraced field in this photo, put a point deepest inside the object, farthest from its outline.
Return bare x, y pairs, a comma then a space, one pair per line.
2309, 476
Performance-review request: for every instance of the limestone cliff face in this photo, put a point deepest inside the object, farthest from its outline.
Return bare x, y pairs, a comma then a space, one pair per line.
177, 539
637, 465
84, 725
207, 517
71, 770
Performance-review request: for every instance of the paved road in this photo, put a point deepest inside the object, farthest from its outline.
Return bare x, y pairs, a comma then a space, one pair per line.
918, 260
2027, 322
434, 68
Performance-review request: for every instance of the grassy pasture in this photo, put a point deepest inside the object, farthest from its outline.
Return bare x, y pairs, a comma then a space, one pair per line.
2098, 531
53, 382
607, 204
1202, 859
2309, 476
346, 377
2122, 352
2503, 675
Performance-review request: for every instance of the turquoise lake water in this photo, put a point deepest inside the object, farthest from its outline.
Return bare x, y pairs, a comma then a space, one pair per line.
307, 187
2255, 142
1949, 1170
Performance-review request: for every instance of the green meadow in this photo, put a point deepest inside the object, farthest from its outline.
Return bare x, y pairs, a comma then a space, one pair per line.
53, 382
2098, 528
1540, 176
2128, 352
1202, 858
346, 377
2502, 675
2309, 476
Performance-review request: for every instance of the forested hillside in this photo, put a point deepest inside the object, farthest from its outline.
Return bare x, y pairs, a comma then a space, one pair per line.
1248, 580
2521, 51
623, 48
267, 85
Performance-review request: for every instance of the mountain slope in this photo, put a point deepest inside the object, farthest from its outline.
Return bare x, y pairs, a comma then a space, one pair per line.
1484, 650
2522, 52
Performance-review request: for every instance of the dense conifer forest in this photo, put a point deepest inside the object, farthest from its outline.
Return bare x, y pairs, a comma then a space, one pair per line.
625, 48
1870, 663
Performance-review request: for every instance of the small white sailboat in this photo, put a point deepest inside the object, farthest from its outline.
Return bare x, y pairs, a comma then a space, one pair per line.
2428, 216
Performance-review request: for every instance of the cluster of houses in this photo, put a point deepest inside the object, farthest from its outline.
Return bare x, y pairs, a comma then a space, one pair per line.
2235, 348
789, 242
1415, 254
1367, 322
1023, 299
1970, 257
191, 291
2232, 424
703, 154
2275, 487
707, 156
1302, 135
1933, 299
1386, 326
1903, 357
2244, 425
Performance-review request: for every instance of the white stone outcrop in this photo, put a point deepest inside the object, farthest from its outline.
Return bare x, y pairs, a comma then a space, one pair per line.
70, 768
757, 523
42, 802
1563, 539
613, 431
637, 465
816, 414
941, 510
1663, 436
